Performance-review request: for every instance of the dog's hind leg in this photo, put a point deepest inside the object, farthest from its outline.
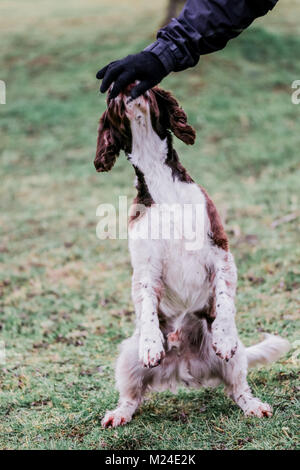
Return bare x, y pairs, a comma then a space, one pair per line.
131, 382
234, 375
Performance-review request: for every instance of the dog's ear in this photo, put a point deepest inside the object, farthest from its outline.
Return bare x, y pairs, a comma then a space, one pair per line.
176, 117
108, 145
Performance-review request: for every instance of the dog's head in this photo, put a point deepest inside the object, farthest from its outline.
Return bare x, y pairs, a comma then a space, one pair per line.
114, 132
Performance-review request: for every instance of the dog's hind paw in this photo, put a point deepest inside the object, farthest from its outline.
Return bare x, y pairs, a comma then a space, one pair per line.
259, 409
115, 418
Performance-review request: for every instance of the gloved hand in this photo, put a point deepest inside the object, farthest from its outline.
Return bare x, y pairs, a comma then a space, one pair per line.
144, 66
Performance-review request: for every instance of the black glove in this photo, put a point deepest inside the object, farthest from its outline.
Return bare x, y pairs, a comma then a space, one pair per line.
144, 66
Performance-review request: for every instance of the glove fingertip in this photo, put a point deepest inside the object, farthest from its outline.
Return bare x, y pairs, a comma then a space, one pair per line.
100, 74
135, 93
104, 87
141, 88
113, 93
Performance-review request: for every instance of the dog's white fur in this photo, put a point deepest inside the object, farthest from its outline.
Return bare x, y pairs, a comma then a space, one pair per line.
158, 357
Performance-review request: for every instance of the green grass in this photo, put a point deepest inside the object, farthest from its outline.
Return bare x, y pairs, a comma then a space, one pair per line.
65, 296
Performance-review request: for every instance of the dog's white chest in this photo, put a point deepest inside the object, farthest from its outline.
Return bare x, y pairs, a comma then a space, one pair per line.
185, 279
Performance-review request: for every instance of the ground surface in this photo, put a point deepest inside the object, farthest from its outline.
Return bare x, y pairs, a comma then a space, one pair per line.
65, 296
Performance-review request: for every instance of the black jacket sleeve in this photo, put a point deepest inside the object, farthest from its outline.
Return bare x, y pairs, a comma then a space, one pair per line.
202, 27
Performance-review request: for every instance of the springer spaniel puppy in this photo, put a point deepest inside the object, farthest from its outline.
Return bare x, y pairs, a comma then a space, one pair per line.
184, 298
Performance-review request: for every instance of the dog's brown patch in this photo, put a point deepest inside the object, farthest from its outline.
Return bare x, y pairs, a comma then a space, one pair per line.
167, 114
217, 232
172, 160
143, 198
114, 135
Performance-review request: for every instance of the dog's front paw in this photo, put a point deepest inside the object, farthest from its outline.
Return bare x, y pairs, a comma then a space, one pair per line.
223, 345
151, 350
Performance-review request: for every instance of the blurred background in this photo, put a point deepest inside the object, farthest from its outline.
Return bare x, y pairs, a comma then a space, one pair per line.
65, 295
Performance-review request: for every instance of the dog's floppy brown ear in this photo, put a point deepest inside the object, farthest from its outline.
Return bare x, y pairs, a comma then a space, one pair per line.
177, 118
108, 145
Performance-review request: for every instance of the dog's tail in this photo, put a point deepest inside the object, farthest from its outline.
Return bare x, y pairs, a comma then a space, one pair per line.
269, 350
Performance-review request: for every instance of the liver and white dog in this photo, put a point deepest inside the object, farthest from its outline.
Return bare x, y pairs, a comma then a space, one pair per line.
184, 298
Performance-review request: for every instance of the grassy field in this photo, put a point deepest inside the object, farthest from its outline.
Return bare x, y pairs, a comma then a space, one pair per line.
65, 295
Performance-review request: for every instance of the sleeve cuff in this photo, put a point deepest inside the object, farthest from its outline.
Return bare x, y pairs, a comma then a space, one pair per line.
163, 52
